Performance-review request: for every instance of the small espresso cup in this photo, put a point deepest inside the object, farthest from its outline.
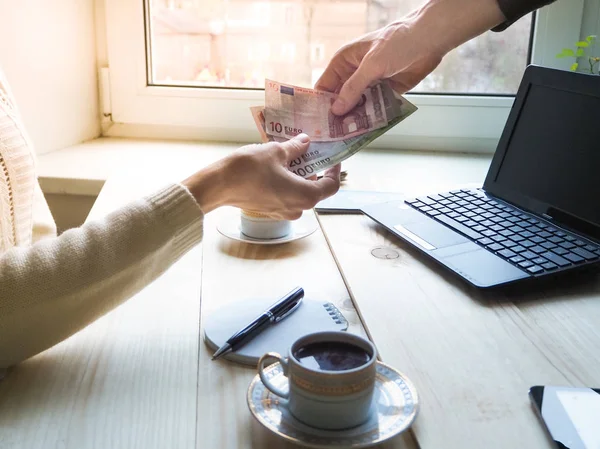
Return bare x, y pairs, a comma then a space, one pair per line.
262, 226
331, 377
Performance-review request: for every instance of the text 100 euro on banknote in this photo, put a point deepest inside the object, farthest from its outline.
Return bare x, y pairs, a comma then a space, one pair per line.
322, 155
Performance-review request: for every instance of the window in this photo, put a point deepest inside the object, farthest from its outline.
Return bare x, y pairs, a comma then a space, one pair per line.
490, 64
200, 64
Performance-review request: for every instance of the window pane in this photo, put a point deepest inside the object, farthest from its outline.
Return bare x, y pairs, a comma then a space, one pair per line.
239, 43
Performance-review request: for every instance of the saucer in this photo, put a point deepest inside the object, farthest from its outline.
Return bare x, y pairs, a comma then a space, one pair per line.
394, 409
302, 227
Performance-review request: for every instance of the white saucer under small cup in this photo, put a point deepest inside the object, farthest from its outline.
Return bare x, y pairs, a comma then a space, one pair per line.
395, 407
230, 226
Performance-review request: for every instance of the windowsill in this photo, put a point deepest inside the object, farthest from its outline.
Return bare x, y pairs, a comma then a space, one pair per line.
83, 169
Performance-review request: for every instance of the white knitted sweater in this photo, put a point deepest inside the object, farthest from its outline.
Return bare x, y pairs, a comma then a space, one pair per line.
52, 287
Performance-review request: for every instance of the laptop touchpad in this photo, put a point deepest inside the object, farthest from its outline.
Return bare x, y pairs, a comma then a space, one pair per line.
434, 233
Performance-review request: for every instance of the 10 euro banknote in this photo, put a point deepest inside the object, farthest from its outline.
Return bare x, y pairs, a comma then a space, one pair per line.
325, 154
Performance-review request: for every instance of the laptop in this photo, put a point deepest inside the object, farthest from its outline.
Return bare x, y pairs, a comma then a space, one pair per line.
538, 212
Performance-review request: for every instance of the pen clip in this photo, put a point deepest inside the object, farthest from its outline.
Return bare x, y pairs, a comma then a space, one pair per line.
287, 312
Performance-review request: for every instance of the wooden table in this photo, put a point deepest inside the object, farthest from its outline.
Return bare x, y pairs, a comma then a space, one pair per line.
141, 377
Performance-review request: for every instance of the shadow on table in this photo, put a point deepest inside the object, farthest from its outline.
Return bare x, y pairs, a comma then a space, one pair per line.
263, 252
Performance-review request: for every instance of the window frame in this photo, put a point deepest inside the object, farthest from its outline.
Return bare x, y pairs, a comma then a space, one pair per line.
462, 122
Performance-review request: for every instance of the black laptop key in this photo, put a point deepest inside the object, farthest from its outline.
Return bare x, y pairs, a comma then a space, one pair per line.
539, 260
548, 245
433, 212
489, 233
490, 224
555, 239
459, 227
479, 219
538, 249
461, 219
538, 239
528, 255
470, 223
426, 209
526, 234
495, 247
479, 228
504, 215
574, 258
506, 232
579, 243
498, 238
567, 245
509, 243
516, 229
534, 229
535, 269
559, 250
590, 248
506, 253
561, 234
517, 259
549, 266
524, 224
516, 238
513, 219
445, 210
570, 238
519, 249
469, 214
552, 257
545, 234
527, 243
525, 264
587, 255
485, 241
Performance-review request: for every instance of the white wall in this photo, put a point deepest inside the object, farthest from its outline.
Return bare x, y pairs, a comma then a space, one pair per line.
48, 53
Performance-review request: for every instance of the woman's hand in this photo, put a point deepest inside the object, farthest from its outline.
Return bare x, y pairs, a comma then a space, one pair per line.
257, 177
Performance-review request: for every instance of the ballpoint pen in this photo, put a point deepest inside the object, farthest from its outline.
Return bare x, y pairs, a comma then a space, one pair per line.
274, 314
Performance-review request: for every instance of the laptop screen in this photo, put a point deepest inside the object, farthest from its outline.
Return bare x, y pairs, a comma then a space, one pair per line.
552, 159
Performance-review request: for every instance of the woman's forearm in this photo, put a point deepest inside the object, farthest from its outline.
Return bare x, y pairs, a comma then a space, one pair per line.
58, 286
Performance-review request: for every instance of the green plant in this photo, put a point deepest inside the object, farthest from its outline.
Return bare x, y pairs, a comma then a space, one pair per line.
583, 49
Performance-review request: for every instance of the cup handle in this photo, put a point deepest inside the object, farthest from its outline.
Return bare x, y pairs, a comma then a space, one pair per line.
266, 382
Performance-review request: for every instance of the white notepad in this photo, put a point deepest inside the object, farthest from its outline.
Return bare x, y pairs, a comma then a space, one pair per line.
311, 316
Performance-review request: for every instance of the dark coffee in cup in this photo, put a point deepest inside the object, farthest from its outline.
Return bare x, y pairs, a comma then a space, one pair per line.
332, 356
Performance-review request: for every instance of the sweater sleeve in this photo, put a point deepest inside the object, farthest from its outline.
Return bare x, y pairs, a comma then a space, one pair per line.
56, 287
513, 10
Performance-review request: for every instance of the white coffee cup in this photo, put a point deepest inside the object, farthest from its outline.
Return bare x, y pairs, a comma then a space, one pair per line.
330, 399
262, 226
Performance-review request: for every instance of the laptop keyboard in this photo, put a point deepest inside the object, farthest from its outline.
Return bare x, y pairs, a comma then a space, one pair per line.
521, 239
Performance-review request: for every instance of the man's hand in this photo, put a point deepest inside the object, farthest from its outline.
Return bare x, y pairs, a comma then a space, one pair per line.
396, 53
257, 177
406, 51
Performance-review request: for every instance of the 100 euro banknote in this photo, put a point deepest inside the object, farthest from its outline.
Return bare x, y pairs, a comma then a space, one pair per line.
323, 155
291, 110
